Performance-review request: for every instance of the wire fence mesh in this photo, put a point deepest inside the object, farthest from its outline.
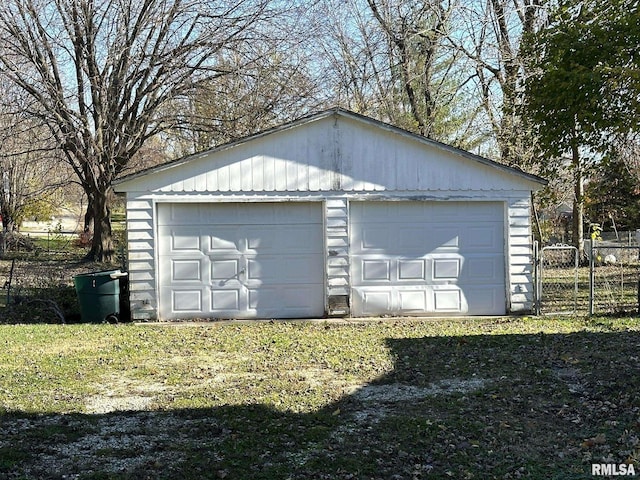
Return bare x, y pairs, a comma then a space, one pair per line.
558, 280
607, 282
615, 277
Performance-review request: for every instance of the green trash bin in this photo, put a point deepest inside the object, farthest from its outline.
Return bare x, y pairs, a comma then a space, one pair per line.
99, 295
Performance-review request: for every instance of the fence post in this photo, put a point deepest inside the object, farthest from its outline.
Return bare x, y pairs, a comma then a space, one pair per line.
638, 245
592, 264
537, 283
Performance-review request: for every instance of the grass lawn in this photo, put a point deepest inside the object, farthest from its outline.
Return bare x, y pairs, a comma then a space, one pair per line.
395, 399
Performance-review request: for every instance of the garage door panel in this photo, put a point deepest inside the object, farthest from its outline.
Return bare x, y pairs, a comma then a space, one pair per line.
283, 240
406, 301
186, 301
448, 301
409, 240
486, 212
439, 237
372, 302
445, 211
284, 302
225, 300
485, 299
412, 269
375, 239
222, 215
260, 239
224, 269
417, 258
179, 240
186, 270
171, 214
264, 298
301, 300
295, 239
394, 212
185, 240
225, 239
253, 214
485, 238
410, 301
478, 269
446, 268
376, 270
278, 269
304, 213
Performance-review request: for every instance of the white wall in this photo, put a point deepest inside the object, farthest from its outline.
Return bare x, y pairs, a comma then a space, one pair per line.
143, 260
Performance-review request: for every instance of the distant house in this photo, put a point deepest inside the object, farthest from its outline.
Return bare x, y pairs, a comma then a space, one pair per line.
335, 214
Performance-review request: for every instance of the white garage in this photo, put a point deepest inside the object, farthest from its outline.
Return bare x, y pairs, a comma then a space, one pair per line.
334, 214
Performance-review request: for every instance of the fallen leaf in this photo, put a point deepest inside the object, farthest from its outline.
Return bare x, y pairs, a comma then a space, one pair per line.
599, 439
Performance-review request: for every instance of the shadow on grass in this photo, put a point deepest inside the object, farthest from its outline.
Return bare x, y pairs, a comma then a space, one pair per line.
31, 304
488, 406
39, 288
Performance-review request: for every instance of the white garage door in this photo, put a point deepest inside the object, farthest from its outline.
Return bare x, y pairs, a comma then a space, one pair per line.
421, 258
261, 260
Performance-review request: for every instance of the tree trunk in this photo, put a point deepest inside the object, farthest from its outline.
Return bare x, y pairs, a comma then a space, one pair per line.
89, 214
102, 243
578, 203
8, 226
8, 222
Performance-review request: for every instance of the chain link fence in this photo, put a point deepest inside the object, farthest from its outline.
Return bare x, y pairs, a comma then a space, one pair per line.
558, 280
607, 282
615, 278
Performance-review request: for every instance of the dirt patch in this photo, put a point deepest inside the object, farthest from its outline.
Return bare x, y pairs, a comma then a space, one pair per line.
123, 394
374, 402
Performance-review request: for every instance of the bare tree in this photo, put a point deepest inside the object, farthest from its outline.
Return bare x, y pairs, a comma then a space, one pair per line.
393, 60
490, 35
269, 82
355, 74
415, 32
103, 75
629, 152
30, 172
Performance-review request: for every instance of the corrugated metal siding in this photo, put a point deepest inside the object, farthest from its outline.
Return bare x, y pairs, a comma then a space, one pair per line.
142, 272
329, 155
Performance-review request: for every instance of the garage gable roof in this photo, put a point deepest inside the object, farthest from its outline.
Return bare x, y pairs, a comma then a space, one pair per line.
332, 150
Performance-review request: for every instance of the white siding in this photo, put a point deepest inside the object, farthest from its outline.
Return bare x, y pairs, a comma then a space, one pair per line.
337, 242
520, 254
142, 272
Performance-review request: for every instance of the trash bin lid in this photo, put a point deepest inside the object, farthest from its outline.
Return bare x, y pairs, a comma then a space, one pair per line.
99, 283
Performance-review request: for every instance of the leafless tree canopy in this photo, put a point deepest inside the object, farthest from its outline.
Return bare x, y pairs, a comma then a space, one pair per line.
105, 75
31, 172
